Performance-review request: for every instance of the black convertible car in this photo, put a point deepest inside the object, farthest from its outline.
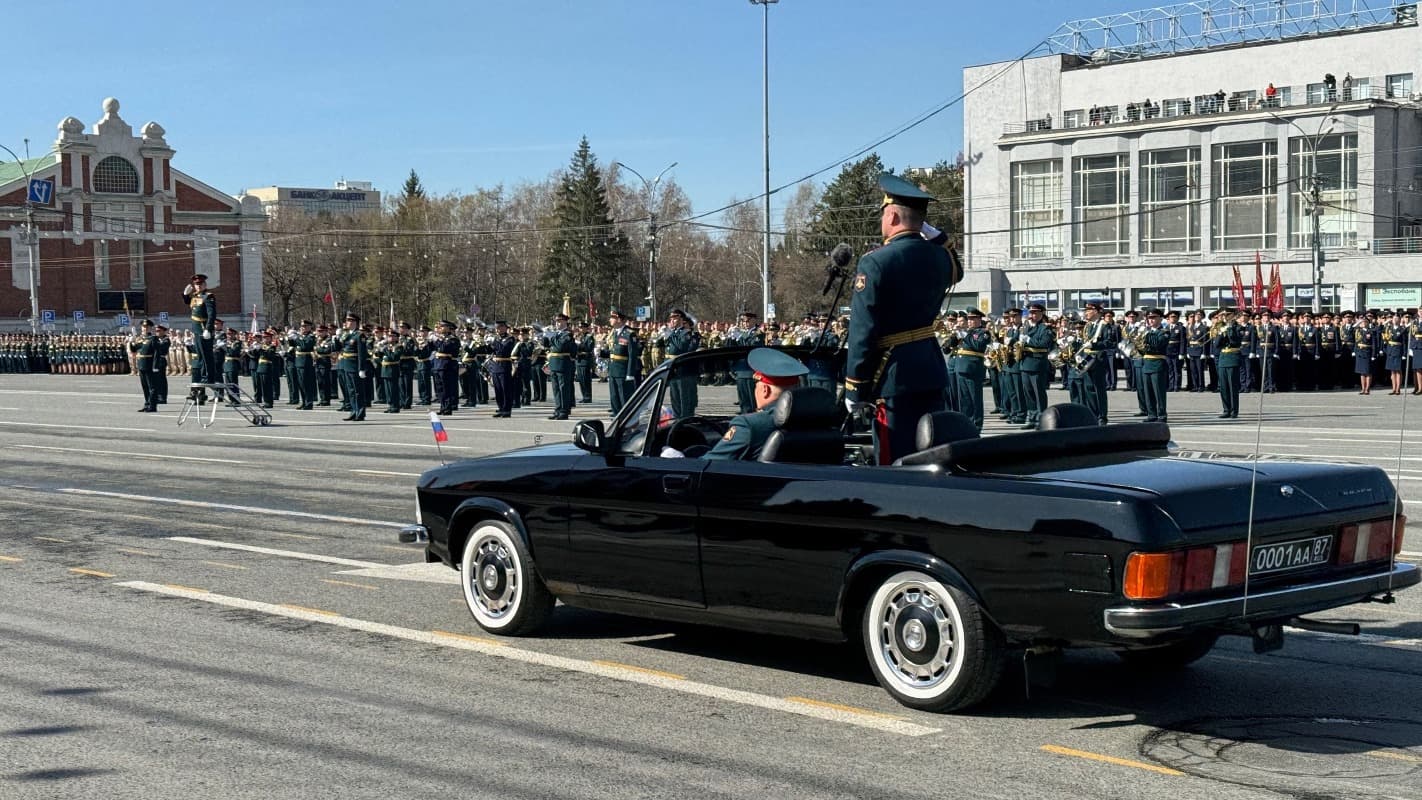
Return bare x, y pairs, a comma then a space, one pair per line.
942, 564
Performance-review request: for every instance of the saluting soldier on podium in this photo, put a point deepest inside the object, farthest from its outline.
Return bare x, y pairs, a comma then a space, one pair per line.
202, 311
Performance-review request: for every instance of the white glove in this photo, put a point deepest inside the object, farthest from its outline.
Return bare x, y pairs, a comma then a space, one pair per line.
362, 373
672, 452
207, 334
850, 405
930, 232
187, 290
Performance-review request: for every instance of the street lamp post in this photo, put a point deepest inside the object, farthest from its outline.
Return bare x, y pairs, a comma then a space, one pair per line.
31, 238
1325, 126
650, 187
765, 109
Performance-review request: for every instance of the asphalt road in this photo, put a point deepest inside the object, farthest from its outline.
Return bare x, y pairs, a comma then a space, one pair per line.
226, 613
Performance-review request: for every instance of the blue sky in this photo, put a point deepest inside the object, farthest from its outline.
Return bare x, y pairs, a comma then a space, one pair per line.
474, 93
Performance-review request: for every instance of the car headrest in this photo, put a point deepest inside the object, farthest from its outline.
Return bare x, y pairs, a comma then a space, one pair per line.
1068, 415
805, 407
943, 427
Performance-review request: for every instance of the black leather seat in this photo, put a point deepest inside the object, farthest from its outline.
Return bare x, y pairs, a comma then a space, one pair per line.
806, 428
942, 427
1068, 415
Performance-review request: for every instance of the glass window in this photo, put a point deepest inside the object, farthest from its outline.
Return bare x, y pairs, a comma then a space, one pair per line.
1337, 173
1100, 196
1399, 85
1074, 119
114, 175
1170, 201
632, 439
1164, 298
1037, 209
1246, 196
1050, 299
1317, 93
1108, 298
101, 264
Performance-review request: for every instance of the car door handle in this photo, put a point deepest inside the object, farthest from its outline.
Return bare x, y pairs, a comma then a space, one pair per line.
676, 484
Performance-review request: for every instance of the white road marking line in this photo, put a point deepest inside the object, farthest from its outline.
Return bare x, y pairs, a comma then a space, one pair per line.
157, 456
385, 472
419, 571
228, 507
66, 394
77, 427
883, 724
1375, 639
344, 562
331, 440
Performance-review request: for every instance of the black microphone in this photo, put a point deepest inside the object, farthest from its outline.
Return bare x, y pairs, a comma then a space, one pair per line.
840, 257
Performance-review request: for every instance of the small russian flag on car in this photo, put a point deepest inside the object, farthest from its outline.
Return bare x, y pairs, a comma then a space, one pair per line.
439, 432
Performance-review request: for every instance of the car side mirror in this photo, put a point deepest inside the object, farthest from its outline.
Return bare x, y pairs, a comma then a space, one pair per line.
589, 435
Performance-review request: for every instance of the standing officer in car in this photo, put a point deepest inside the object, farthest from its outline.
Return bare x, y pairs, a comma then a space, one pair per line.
893, 358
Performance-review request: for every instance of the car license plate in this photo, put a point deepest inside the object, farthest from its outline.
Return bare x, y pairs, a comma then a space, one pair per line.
1283, 556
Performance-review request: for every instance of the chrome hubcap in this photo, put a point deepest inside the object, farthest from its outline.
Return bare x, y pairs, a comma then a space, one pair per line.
494, 580
917, 639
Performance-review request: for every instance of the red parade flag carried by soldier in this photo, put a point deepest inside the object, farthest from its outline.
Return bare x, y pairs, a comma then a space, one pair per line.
1238, 289
1276, 292
1258, 283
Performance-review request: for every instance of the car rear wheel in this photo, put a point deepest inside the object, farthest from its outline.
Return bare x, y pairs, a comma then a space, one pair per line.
930, 645
500, 587
1173, 656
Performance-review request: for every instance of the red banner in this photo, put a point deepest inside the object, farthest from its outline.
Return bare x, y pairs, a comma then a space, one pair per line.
1238, 290
1258, 283
1276, 292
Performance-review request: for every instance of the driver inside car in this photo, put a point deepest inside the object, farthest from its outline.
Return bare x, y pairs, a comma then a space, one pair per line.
745, 438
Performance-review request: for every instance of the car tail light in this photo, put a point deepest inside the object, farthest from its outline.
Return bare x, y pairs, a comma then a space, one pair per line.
1374, 540
1152, 576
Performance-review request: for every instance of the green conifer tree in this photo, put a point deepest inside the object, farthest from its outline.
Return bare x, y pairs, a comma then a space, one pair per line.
588, 259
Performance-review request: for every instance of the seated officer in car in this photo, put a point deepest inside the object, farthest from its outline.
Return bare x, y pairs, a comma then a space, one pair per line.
745, 438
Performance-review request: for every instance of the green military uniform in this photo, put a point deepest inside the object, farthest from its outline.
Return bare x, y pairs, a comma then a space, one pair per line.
304, 365
1154, 345
349, 366
390, 353
746, 437
1038, 339
562, 349
969, 369
1226, 345
622, 347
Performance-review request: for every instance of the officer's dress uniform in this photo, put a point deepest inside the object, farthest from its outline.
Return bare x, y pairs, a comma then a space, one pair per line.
747, 434
1014, 405
446, 372
304, 367
1395, 346
349, 363
407, 369
1175, 349
424, 373
1037, 341
1226, 346
160, 368
681, 388
1094, 349
1197, 337
469, 369
969, 371
622, 350
741, 372
1306, 358
1367, 340
1414, 350
1154, 367
146, 351
390, 354
562, 349
586, 367
293, 378
893, 355
231, 365
202, 312
268, 371
1286, 358
325, 347
1249, 352
501, 372
1326, 366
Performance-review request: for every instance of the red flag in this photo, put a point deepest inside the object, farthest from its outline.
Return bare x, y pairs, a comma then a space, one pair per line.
592, 311
1258, 283
1238, 289
1276, 292
328, 298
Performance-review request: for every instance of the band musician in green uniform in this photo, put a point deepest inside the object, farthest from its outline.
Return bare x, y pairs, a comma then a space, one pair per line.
1154, 345
969, 367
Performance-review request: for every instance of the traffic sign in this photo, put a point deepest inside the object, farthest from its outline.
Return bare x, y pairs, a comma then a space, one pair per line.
644, 313
770, 311
78, 316
47, 315
41, 191
163, 317
123, 320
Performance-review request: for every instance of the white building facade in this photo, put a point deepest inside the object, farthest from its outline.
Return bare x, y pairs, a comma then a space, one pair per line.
345, 199
1140, 176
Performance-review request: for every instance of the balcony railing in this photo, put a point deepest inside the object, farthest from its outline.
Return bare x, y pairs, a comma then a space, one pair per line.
1206, 106
1391, 247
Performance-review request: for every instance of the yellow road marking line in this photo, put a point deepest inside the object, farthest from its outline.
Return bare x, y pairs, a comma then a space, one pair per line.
223, 564
644, 670
400, 548
52, 539
93, 572
467, 638
347, 583
310, 610
185, 588
1394, 755
136, 552
1121, 762
11, 559
293, 535
809, 701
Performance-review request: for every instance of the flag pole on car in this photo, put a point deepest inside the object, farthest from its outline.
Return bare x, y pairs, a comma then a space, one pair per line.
440, 434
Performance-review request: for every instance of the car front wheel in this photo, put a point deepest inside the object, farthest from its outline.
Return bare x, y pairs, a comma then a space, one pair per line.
500, 587
930, 645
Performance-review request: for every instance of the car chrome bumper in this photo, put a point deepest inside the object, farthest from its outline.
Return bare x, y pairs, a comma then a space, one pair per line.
1141, 623
414, 534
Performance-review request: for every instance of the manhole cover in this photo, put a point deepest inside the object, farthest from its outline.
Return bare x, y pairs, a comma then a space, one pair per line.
1310, 758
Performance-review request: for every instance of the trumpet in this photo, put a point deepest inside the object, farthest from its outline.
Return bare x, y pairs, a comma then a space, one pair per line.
997, 355
1065, 351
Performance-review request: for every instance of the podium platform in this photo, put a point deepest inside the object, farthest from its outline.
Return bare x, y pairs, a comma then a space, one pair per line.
221, 395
